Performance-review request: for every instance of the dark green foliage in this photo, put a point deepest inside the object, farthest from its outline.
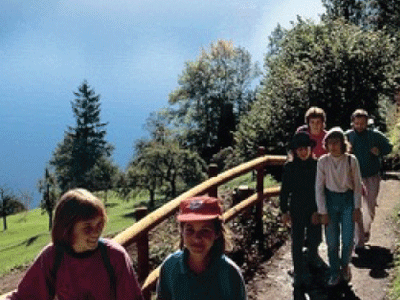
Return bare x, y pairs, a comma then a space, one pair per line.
214, 92
369, 14
9, 204
385, 14
161, 164
84, 145
354, 11
333, 65
164, 167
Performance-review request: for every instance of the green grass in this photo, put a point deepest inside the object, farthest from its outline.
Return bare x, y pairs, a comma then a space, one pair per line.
28, 232
26, 235
249, 180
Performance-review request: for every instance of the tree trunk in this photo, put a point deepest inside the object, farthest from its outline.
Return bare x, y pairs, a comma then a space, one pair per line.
4, 212
50, 212
151, 201
4, 221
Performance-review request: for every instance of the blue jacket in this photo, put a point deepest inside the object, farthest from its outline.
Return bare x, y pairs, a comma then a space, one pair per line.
221, 281
362, 143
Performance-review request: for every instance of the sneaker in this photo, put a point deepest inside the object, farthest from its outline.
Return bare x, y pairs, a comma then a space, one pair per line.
346, 273
334, 280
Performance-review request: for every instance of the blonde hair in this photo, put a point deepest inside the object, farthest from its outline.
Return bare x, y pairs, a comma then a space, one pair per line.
314, 112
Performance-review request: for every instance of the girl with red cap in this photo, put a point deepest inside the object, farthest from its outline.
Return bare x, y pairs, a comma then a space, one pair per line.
200, 270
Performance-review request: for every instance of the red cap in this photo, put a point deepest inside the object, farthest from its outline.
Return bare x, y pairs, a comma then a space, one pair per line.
199, 208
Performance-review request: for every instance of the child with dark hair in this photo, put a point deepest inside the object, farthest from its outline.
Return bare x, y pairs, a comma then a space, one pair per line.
297, 203
200, 270
78, 264
338, 196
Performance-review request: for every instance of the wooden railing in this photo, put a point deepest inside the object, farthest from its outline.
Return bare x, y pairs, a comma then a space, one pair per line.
138, 232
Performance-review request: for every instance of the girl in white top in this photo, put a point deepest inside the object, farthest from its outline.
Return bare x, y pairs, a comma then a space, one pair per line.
338, 196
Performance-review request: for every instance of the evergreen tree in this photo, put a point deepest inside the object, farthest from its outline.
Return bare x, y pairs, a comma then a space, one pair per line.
84, 144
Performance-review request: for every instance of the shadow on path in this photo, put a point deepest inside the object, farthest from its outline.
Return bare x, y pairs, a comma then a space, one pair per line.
378, 259
375, 258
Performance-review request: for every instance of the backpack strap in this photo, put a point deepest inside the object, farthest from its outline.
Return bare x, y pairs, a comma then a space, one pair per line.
59, 254
110, 269
225, 282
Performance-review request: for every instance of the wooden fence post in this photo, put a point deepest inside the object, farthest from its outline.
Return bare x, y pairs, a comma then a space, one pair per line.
212, 172
142, 247
260, 203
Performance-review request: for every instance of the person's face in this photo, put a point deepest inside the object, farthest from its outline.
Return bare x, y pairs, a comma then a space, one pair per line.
86, 234
199, 236
334, 147
316, 125
303, 152
360, 124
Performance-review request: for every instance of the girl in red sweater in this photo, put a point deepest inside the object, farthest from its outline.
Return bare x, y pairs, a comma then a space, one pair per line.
78, 264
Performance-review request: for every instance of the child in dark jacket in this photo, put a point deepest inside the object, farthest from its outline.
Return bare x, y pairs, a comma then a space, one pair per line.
297, 203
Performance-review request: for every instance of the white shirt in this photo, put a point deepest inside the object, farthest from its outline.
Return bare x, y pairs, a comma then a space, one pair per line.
337, 174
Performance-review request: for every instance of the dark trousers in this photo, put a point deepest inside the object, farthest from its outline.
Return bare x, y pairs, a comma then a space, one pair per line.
303, 229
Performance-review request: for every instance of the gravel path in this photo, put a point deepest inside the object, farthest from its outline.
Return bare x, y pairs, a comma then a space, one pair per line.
371, 269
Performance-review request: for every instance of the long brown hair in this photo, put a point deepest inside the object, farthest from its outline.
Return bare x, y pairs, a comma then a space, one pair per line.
222, 244
74, 206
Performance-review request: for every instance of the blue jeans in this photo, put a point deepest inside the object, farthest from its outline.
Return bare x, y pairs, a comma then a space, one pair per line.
340, 208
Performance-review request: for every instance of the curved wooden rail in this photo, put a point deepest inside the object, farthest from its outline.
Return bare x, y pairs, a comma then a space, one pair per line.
140, 229
131, 234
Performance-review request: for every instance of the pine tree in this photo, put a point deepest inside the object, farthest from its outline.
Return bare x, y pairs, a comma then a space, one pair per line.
84, 144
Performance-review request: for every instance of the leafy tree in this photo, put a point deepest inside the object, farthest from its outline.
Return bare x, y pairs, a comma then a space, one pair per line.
157, 166
47, 186
369, 14
385, 14
161, 164
102, 175
9, 204
83, 145
333, 65
214, 92
144, 171
351, 10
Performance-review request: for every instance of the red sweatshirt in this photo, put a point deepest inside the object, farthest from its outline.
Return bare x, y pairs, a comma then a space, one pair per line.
80, 276
318, 150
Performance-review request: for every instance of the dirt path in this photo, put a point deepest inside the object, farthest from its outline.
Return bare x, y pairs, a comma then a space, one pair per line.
371, 269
